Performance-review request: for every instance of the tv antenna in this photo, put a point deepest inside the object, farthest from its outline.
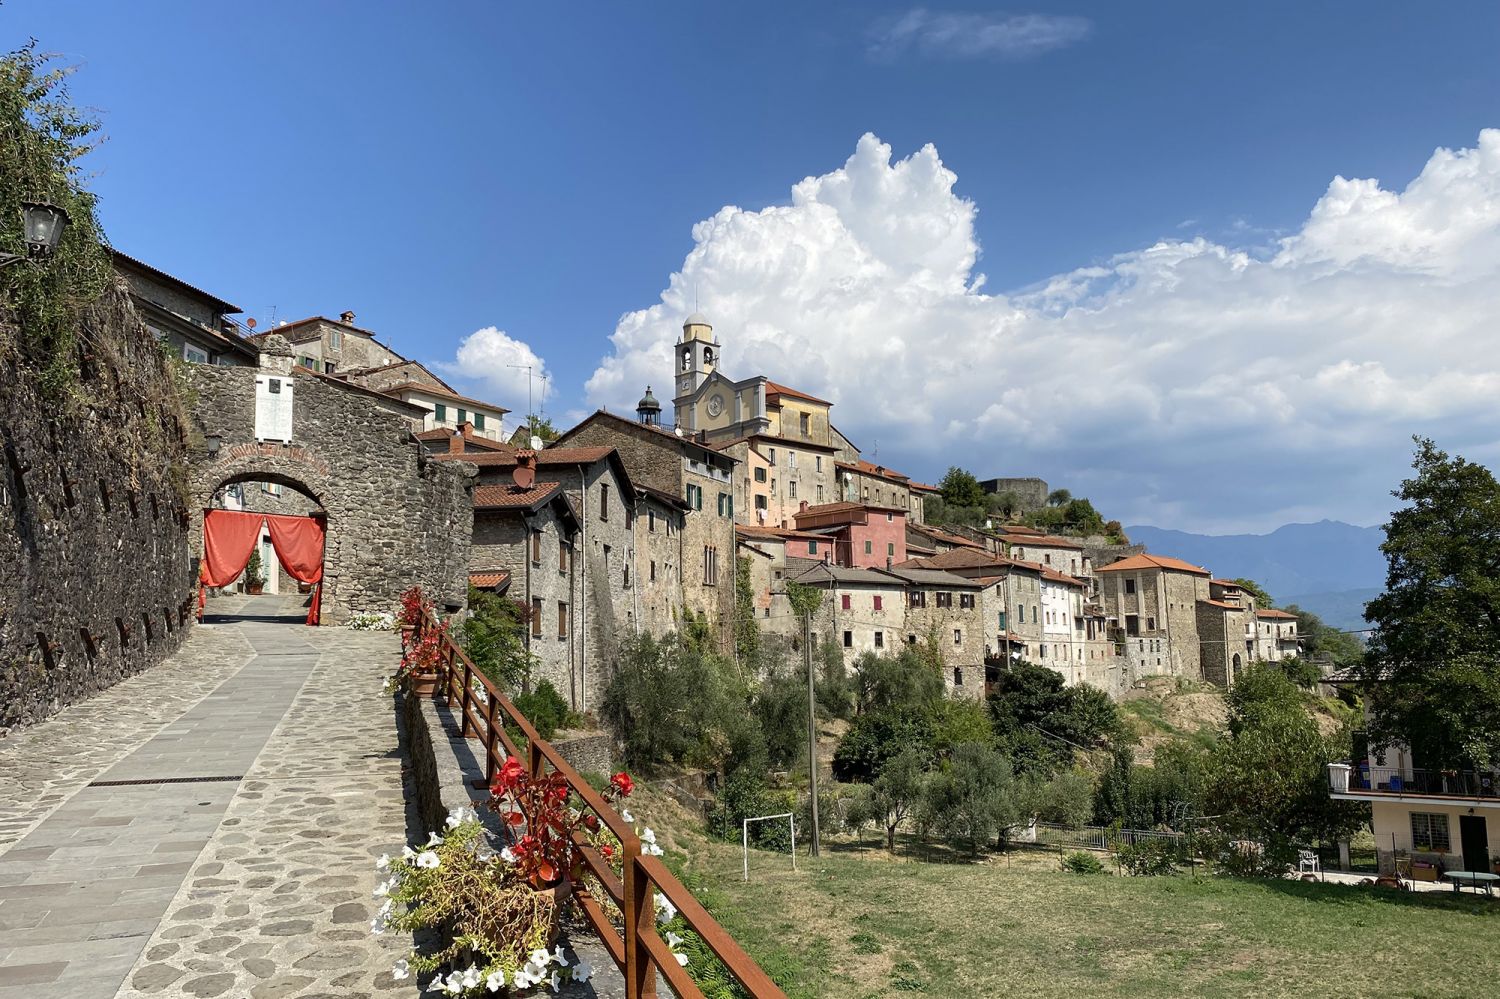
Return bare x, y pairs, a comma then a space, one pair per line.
530, 406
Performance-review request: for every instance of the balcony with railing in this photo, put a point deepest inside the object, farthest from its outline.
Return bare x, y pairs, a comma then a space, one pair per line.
1361, 782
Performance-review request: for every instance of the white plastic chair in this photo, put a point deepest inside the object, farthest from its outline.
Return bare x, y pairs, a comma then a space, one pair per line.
1307, 863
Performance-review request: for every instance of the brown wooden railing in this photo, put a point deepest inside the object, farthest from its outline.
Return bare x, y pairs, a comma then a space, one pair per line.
639, 950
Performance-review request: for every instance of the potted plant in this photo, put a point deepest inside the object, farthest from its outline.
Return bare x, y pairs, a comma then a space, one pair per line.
420, 656
255, 577
500, 911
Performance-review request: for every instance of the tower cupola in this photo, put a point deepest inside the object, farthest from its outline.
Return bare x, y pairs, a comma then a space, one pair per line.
648, 410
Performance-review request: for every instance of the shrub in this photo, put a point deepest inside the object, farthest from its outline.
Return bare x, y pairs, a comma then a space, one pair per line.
545, 708
1082, 862
1149, 857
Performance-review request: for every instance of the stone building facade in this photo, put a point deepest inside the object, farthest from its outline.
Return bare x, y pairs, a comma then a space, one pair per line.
532, 535
395, 518
863, 611
96, 571
659, 521
1031, 492
945, 607
191, 323
863, 536
1152, 603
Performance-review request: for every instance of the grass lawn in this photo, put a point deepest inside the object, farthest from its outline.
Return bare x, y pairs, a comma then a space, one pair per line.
856, 924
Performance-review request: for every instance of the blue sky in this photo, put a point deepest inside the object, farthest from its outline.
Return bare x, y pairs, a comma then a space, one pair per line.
444, 168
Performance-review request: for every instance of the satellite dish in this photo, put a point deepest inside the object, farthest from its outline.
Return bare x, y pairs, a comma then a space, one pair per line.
250, 323
524, 476
536, 443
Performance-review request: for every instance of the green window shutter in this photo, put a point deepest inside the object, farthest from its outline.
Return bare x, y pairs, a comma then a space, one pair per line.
441, 413
463, 416
478, 421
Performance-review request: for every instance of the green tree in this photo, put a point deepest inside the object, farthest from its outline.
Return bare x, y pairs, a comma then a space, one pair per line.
1042, 722
960, 488
746, 630
872, 739
494, 637
897, 789
905, 681
1267, 779
974, 797
1436, 646
1324, 644
835, 687
1067, 798
1059, 497
781, 710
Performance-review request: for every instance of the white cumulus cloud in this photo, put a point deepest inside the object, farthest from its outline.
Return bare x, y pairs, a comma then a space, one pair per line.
496, 362
958, 35
1223, 387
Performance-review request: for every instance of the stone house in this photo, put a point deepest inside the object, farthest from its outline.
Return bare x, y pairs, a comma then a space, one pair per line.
193, 324
1064, 630
702, 477
861, 535
333, 346
1276, 634
936, 539
864, 610
1062, 554
1226, 632
460, 440
659, 521
1152, 605
596, 483
945, 607
860, 481
530, 533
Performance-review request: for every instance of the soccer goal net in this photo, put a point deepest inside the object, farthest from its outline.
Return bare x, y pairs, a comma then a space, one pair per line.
745, 836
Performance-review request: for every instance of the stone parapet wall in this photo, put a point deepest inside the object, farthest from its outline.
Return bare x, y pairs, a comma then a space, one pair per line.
96, 575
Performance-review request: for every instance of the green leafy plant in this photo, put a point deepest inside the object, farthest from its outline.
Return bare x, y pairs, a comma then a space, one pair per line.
1082, 862
1152, 856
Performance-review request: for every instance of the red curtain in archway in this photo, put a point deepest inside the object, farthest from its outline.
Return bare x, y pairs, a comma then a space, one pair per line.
229, 536
299, 548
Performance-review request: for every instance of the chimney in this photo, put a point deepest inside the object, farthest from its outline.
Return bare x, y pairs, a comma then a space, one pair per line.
802, 507
889, 562
466, 429
346, 317
456, 443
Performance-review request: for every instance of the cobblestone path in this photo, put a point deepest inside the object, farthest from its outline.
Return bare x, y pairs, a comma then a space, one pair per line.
258, 885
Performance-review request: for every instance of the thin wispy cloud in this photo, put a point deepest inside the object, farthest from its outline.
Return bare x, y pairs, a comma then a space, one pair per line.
948, 35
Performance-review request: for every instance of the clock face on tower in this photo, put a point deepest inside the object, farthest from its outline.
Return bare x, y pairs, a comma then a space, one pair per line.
715, 404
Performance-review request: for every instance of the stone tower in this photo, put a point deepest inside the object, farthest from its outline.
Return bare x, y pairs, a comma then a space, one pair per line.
697, 354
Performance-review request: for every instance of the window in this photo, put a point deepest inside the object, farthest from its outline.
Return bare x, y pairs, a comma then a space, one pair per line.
651, 521
890, 549
867, 547
327, 367
1033, 613
562, 557
958, 676
463, 415
1021, 613
791, 459
791, 489
878, 603
771, 456
272, 488
817, 462
812, 548
726, 505
562, 619
627, 574
478, 421
880, 639
606, 556
440, 414
760, 501
536, 547
945, 599
844, 601
536, 617
1047, 559
1129, 586
916, 598
336, 339
695, 496
1150, 624
966, 600
1001, 616
820, 492
806, 425
194, 355
308, 362
710, 566
848, 639
603, 500
958, 636
760, 475
653, 570
1429, 831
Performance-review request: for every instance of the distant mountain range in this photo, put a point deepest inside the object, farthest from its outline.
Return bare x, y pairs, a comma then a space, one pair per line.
1330, 568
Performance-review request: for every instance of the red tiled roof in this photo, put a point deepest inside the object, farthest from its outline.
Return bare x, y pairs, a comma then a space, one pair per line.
1221, 605
510, 497
505, 455
1060, 577
775, 533
441, 394
1225, 582
924, 487
1272, 612
944, 536
879, 471
444, 434
777, 389
1136, 563
488, 580
959, 558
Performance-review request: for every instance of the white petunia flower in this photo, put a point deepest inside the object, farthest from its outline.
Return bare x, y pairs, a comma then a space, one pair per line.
673, 940
651, 850
665, 910
384, 863
434, 839
582, 971
455, 983
558, 958
625, 814
496, 981
377, 926
471, 977
557, 980
428, 859
681, 959
648, 836
401, 971
539, 957
408, 854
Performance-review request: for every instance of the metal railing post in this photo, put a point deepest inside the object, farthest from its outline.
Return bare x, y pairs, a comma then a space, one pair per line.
463, 703
490, 740
640, 973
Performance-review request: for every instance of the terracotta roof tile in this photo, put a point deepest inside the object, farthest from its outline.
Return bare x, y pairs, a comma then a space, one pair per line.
1221, 605
441, 393
488, 580
511, 497
1136, 563
1040, 541
879, 471
777, 389
1272, 612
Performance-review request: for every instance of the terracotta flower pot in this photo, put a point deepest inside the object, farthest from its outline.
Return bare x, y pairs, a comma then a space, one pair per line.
256, 589
423, 684
559, 893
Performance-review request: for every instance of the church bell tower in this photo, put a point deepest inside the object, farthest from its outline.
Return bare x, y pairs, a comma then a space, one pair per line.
696, 355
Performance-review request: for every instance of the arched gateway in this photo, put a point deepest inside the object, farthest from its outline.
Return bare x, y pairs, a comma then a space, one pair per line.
281, 441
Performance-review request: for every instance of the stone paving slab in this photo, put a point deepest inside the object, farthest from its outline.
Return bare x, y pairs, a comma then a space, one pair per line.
43, 765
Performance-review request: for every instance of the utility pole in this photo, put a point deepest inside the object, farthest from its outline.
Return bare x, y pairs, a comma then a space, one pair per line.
812, 724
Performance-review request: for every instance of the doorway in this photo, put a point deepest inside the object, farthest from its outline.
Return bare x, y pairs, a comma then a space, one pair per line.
1475, 842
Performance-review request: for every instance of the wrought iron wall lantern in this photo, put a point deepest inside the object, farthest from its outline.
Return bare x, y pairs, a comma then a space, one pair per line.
44, 225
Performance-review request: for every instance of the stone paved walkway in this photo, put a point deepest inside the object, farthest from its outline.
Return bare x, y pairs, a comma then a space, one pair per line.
255, 886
